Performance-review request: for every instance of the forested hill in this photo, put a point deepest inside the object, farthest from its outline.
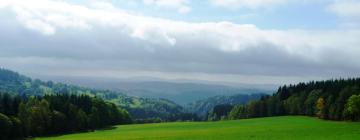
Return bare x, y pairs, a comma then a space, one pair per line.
204, 106
21, 117
16, 84
331, 99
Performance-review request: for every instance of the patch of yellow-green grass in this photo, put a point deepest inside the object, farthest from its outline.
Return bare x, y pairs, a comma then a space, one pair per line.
272, 128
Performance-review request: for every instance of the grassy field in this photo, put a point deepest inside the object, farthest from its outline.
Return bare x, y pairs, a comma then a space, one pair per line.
274, 128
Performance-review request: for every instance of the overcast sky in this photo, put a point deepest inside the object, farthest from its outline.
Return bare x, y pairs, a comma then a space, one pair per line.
243, 41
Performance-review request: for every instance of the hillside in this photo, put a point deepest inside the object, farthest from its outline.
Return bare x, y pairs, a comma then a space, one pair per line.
181, 92
142, 108
14, 83
274, 128
202, 107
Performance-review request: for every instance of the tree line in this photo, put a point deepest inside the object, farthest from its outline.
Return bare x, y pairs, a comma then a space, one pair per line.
22, 116
337, 99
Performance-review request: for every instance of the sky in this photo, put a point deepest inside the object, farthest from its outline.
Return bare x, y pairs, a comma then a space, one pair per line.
236, 41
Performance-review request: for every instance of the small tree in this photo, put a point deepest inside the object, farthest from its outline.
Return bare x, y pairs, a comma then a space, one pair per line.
94, 119
320, 105
352, 108
24, 116
238, 112
82, 120
40, 118
58, 125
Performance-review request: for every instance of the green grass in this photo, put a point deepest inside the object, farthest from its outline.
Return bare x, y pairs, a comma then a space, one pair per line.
273, 128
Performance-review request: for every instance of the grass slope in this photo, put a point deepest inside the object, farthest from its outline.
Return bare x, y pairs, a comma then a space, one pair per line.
273, 128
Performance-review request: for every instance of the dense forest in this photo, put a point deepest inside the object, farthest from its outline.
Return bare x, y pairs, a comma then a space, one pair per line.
22, 116
142, 108
203, 107
331, 99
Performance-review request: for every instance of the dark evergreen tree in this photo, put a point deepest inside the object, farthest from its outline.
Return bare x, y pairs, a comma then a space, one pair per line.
56, 114
326, 99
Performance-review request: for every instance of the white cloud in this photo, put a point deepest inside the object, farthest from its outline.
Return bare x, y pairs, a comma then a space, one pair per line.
249, 4
40, 26
180, 5
48, 16
104, 37
346, 8
45, 16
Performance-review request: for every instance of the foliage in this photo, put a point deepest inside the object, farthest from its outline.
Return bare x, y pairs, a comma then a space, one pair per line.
220, 112
56, 114
5, 126
238, 112
320, 105
326, 99
205, 106
148, 108
352, 108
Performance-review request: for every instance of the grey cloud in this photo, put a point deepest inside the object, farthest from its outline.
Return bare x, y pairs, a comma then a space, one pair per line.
159, 47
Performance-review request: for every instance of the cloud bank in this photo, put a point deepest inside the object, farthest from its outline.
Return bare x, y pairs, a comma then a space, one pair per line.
346, 8
61, 38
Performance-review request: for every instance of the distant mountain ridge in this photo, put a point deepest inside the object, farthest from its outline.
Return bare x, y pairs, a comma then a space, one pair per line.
14, 83
181, 92
147, 99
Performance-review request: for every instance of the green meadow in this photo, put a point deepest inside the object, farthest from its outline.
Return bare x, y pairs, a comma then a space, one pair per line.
272, 128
